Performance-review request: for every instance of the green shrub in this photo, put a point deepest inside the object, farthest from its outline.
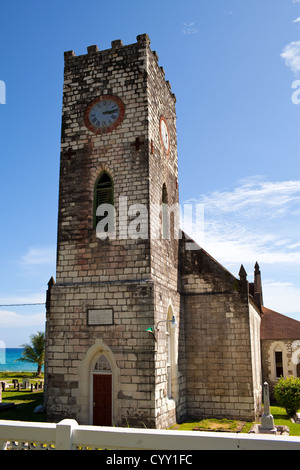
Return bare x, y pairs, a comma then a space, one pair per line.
287, 394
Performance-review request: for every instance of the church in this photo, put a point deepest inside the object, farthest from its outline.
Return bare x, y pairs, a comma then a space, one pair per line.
143, 327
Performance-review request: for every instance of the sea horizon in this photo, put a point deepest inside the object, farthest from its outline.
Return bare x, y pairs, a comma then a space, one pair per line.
8, 356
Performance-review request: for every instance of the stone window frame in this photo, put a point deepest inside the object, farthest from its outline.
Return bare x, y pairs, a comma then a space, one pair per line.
277, 349
107, 194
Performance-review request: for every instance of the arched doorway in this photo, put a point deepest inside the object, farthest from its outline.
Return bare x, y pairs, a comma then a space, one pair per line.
102, 392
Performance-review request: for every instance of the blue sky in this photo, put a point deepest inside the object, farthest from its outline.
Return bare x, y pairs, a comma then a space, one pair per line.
231, 64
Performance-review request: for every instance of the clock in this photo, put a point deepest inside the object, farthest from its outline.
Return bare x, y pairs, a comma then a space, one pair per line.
164, 134
104, 114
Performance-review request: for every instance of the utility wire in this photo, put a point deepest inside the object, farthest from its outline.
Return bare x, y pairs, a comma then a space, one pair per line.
20, 305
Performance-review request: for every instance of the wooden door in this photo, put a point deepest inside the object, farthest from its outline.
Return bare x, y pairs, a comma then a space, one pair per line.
102, 400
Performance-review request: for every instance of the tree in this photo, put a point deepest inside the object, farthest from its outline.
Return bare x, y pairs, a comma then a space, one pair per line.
35, 352
287, 394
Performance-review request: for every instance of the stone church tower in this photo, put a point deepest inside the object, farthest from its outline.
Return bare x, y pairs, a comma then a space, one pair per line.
140, 331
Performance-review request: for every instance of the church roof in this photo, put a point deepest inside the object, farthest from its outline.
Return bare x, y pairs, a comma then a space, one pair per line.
274, 325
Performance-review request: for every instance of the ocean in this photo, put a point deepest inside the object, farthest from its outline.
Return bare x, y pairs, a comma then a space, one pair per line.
7, 361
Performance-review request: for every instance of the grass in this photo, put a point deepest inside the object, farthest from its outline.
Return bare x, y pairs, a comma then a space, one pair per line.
9, 376
282, 419
226, 425
25, 400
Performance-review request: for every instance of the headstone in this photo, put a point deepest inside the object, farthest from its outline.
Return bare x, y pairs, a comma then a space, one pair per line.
297, 418
26, 383
267, 421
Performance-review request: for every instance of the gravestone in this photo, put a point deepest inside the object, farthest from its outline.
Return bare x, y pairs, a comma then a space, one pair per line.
297, 418
267, 421
26, 383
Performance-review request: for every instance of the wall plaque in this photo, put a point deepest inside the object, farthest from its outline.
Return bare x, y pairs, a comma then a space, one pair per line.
103, 316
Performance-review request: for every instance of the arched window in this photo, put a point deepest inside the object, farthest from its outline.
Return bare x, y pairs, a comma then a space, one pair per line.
102, 364
103, 194
278, 363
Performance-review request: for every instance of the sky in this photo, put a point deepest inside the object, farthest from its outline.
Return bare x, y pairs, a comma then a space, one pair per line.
234, 66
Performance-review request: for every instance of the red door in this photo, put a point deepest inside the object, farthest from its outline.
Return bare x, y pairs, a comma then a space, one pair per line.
102, 400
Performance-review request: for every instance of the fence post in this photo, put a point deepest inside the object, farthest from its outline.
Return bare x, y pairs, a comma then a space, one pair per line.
64, 434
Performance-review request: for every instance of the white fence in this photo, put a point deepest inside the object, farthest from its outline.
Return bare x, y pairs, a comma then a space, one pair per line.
68, 435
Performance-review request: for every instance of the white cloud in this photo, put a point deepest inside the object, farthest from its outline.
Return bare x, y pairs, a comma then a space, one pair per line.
39, 256
297, 20
30, 298
257, 220
255, 196
284, 297
291, 56
9, 319
189, 28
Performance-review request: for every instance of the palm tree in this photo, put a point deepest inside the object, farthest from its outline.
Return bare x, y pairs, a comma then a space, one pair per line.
35, 352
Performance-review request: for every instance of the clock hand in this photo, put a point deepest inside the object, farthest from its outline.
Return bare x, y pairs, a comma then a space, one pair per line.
110, 112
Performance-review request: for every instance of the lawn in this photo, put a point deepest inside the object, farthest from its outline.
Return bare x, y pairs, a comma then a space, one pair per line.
25, 400
9, 376
226, 425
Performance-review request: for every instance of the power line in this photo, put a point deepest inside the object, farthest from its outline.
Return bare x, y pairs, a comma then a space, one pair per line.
20, 305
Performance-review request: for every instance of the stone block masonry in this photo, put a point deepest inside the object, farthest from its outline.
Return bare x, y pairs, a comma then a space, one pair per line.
222, 347
125, 278
70, 337
102, 365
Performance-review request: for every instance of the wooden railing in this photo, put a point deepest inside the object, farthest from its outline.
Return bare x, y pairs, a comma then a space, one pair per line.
68, 435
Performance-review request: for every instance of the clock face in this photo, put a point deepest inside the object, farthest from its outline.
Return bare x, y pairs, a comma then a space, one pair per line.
104, 114
164, 134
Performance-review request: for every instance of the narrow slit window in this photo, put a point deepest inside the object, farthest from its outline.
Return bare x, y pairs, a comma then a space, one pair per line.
103, 194
165, 213
278, 363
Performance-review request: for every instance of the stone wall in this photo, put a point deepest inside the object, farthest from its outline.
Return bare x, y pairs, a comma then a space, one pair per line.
70, 337
219, 365
118, 71
135, 278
